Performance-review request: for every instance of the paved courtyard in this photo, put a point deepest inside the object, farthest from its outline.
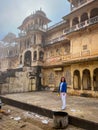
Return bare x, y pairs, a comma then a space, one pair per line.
82, 107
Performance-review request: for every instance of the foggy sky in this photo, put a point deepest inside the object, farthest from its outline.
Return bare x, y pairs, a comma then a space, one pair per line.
13, 12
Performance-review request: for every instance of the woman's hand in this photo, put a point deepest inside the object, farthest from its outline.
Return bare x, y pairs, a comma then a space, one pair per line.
64, 94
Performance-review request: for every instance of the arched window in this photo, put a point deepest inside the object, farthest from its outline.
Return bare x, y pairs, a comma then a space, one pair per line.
27, 58
35, 55
41, 55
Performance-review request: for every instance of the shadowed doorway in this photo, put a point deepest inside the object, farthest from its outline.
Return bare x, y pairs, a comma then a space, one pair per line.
27, 58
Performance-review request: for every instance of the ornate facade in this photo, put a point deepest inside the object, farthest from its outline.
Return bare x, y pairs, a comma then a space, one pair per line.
68, 48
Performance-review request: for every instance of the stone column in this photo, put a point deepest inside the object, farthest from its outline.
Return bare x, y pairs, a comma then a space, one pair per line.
92, 85
89, 14
72, 79
81, 79
79, 18
71, 23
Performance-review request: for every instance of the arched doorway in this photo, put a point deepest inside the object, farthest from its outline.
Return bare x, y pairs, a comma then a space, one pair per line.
94, 12
86, 80
76, 80
84, 17
27, 58
95, 79
75, 21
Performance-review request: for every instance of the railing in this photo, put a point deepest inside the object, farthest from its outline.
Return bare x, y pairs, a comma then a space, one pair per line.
81, 25
80, 4
36, 27
57, 24
92, 20
57, 39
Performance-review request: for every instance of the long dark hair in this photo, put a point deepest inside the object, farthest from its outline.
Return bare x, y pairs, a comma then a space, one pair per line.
64, 79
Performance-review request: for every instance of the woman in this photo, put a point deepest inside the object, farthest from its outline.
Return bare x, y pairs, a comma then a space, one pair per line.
63, 91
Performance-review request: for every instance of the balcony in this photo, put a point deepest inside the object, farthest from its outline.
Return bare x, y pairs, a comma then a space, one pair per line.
57, 39
37, 27
81, 25
80, 4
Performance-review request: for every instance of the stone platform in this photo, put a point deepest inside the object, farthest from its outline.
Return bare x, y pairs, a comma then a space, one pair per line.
81, 110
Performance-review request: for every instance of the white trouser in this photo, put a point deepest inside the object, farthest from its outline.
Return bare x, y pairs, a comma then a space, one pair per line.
63, 98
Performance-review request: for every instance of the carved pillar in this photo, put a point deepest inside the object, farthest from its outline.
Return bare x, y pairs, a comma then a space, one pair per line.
89, 14
79, 19
92, 85
81, 74
71, 23
72, 79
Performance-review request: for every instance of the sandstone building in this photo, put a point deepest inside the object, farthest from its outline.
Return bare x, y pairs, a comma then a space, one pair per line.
68, 48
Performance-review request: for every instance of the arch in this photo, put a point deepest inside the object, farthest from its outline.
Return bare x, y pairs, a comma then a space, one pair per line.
75, 21
84, 17
86, 80
41, 55
35, 55
94, 12
95, 79
76, 80
27, 58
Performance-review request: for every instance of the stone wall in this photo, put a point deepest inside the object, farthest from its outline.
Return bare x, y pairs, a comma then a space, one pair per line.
19, 83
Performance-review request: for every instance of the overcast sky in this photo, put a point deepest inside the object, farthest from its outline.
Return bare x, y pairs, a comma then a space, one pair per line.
13, 12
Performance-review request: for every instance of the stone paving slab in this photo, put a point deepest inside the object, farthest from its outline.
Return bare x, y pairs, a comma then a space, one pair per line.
82, 107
